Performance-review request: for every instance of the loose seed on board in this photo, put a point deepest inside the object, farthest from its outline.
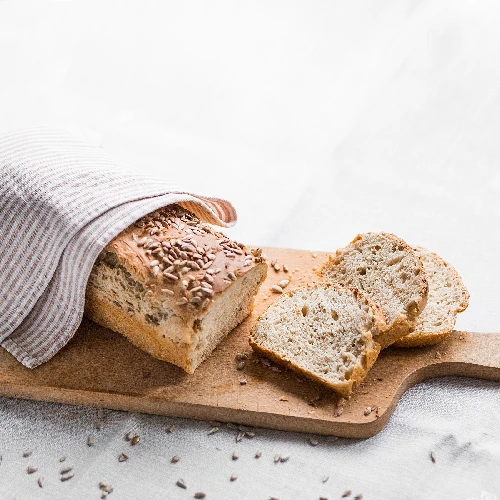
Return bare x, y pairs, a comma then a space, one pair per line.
346, 493
338, 411
67, 478
277, 268
181, 484
40, 481
324, 479
90, 441
243, 381
312, 441
240, 365
323, 498
277, 289
283, 283
122, 457
258, 454
27, 453
199, 494
285, 268
367, 411
65, 470
31, 470
235, 456
233, 477
433, 457
175, 459
241, 356
135, 440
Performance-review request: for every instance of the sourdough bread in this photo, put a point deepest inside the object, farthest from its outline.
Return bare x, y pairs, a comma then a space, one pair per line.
386, 268
324, 332
174, 286
447, 297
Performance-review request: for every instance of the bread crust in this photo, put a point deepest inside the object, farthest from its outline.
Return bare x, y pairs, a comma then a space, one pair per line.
360, 370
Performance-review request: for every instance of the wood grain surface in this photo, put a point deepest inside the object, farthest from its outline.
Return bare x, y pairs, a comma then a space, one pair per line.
101, 368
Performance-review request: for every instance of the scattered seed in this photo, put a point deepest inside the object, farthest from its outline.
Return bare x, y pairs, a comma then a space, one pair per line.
346, 493
258, 454
135, 440
240, 365
283, 283
235, 456
338, 411
175, 459
283, 398
324, 479
241, 356
313, 442
243, 381
249, 434
31, 469
170, 428
129, 436
40, 481
358, 497
181, 484
213, 430
67, 478
284, 458
62, 459
323, 498
105, 487
27, 453
277, 267
285, 268
240, 436
277, 289
122, 457
65, 470
277, 458
273, 498
199, 494
367, 411
90, 441
233, 477
433, 457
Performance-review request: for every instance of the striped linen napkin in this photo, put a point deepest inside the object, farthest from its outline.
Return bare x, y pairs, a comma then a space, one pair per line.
61, 202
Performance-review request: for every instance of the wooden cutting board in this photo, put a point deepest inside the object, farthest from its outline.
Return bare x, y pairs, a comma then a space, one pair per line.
101, 368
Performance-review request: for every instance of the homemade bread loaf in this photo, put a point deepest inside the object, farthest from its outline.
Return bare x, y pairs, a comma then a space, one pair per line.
174, 286
447, 297
387, 269
324, 332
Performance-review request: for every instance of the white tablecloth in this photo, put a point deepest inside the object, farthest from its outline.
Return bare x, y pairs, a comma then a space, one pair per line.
318, 120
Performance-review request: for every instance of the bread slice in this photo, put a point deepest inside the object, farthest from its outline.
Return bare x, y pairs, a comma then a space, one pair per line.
324, 332
174, 286
387, 269
447, 297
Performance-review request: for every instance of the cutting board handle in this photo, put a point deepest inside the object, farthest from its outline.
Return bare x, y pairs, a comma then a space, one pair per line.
468, 354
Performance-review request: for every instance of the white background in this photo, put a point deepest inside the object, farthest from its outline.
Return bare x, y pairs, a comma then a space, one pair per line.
318, 120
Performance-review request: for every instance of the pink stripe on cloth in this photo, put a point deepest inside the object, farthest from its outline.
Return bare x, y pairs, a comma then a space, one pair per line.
61, 202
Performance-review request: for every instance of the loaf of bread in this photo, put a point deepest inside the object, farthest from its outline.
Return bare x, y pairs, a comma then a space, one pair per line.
385, 268
324, 331
447, 297
174, 286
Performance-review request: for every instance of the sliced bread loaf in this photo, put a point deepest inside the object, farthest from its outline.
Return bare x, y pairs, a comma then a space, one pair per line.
447, 297
386, 268
324, 332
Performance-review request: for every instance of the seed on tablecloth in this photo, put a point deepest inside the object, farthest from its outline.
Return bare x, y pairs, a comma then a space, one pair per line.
31, 469
358, 497
313, 442
367, 411
213, 430
90, 441
258, 454
285, 268
122, 457
323, 498
277, 458
175, 459
346, 493
277, 289
324, 479
105, 487
181, 484
65, 470
284, 458
129, 436
199, 494
62, 459
249, 434
170, 428
27, 453
433, 457
235, 456
240, 365
40, 481
135, 440
67, 478
233, 477
241, 356
240, 436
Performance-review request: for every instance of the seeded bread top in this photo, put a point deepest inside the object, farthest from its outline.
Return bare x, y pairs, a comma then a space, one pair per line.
386, 268
173, 254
